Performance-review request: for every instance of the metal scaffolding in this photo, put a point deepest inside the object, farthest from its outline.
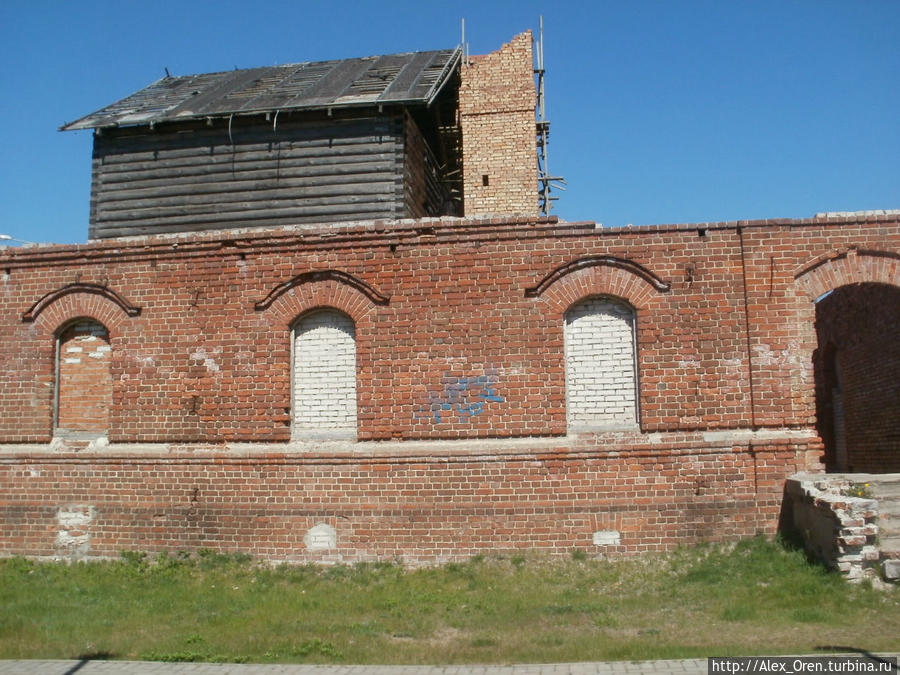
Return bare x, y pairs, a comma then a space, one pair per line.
546, 181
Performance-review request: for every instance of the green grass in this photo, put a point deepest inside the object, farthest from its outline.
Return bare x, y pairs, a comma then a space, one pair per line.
752, 598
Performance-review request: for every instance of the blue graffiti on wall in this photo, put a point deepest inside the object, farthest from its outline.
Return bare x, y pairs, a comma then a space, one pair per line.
461, 397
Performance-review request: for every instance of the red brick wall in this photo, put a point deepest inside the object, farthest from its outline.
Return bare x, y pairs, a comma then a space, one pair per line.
459, 327
423, 505
445, 311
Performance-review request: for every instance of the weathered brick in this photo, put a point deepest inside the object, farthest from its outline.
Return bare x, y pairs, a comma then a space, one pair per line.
497, 100
460, 336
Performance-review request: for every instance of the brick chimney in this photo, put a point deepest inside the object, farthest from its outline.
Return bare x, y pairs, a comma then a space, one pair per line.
497, 100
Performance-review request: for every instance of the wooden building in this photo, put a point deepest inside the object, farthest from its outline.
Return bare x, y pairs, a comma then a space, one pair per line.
346, 140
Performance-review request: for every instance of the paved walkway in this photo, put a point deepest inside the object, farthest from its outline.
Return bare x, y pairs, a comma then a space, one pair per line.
693, 666
680, 667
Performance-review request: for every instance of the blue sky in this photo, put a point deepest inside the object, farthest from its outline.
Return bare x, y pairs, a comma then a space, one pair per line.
662, 112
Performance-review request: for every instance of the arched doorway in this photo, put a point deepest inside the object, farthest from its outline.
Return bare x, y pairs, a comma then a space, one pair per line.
857, 377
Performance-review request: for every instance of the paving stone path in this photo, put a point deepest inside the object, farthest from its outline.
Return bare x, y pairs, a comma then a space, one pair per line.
696, 666
674, 667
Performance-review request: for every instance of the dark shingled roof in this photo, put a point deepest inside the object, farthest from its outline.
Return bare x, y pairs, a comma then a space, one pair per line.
411, 78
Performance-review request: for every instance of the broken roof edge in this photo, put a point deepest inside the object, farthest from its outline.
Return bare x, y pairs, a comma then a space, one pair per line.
452, 64
222, 84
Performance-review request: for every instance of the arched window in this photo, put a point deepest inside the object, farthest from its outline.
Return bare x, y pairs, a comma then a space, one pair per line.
601, 375
324, 376
83, 379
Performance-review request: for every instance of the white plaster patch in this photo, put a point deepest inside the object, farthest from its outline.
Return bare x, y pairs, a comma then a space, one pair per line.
210, 363
72, 360
517, 368
322, 537
70, 544
99, 443
74, 350
73, 539
607, 538
75, 516
766, 356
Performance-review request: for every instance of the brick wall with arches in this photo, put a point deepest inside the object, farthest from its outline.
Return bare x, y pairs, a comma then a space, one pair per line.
463, 435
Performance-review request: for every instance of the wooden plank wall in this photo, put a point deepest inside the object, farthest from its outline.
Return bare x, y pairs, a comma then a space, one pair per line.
424, 193
194, 177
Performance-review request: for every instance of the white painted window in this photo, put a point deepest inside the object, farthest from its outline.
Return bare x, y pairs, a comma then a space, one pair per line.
324, 376
601, 374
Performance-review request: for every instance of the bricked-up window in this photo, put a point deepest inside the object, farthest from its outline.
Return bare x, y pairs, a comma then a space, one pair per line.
84, 381
600, 364
325, 376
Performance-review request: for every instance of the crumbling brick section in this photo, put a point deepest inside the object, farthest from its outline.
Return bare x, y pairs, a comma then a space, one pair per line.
496, 106
85, 382
837, 529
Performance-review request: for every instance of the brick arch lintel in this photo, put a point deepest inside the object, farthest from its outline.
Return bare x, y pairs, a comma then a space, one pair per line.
79, 300
598, 275
322, 275
847, 266
312, 290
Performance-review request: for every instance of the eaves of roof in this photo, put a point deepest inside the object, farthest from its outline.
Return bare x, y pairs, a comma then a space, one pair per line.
414, 78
